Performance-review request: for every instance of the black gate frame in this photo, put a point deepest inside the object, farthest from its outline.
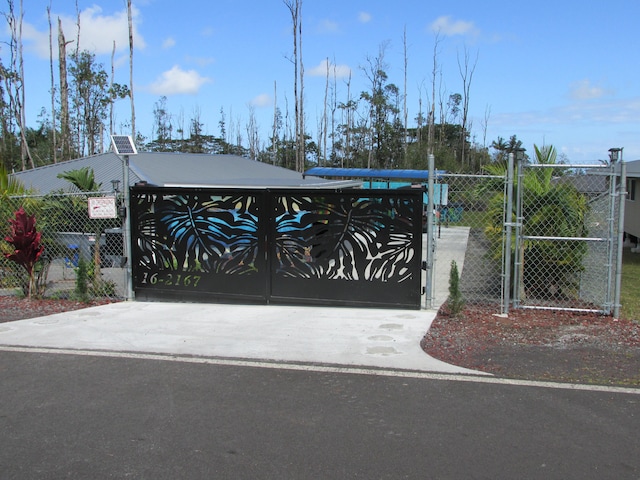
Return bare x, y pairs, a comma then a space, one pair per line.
351, 247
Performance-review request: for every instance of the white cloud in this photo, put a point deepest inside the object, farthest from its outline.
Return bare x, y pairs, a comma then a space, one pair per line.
262, 100
449, 27
339, 71
585, 90
328, 26
200, 61
178, 81
207, 32
97, 32
364, 17
168, 42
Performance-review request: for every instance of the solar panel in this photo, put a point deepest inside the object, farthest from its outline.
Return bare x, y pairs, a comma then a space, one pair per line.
123, 145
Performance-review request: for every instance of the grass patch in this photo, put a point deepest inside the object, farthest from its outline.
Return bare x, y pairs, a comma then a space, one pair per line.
469, 218
630, 288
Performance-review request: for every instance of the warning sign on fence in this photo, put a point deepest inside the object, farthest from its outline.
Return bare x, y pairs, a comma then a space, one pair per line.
102, 207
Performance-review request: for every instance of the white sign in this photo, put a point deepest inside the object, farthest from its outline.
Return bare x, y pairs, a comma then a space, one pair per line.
102, 207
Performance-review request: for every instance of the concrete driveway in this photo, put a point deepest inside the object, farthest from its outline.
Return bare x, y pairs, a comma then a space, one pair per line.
380, 338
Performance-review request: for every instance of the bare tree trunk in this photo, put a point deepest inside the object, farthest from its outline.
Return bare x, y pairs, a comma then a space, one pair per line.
347, 143
301, 136
466, 73
65, 132
432, 112
334, 106
17, 84
252, 134
133, 109
485, 125
54, 133
324, 116
113, 73
274, 141
80, 140
294, 7
406, 114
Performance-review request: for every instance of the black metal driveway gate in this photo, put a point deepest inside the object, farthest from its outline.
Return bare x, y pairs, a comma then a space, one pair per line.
329, 247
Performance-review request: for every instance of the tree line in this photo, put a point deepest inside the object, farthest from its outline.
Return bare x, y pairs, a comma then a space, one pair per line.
367, 129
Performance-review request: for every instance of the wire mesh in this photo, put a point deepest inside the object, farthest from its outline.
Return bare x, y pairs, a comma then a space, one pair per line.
567, 238
469, 226
82, 259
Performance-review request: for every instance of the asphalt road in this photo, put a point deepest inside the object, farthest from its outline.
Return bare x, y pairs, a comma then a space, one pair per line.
95, 417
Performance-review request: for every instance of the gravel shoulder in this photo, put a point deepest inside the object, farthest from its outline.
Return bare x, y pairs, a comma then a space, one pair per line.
542, 345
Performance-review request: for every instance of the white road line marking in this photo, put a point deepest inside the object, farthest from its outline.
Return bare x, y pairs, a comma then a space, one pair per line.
328, 369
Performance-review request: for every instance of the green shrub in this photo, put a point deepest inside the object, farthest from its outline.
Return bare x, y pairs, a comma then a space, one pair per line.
455, 300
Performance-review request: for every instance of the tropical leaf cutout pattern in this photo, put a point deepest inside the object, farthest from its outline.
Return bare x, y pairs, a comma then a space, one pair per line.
324, 236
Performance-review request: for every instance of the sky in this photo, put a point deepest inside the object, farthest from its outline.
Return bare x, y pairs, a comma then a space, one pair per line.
559, 73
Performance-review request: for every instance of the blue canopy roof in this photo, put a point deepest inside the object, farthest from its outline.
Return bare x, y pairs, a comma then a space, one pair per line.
371, 173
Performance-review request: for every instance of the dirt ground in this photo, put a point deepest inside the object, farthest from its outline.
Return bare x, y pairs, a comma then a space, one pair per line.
542, 345
528, 344
14, 308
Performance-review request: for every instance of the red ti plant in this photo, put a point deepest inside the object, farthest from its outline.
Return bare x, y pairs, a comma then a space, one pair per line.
26, 243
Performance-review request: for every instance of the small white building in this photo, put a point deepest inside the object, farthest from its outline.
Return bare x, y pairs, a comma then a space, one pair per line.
632, 203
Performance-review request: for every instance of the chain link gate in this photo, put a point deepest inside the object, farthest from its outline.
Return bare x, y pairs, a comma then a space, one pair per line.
468, 224
567, 237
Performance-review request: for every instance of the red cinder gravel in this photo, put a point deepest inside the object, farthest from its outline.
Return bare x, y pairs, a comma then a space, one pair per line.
531, 344
15, 308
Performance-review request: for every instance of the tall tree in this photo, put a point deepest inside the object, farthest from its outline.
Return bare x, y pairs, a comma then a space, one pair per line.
405, 112
325, 120
54, 150
466, 74
133, 110
276, 125
295, 10
385, 127
14, 80
65, 127
91, 99
431, 120
162, 127
253, 134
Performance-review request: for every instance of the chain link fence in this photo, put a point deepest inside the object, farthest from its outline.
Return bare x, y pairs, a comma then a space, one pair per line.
558, 247
83, 257
468, 227
567, 232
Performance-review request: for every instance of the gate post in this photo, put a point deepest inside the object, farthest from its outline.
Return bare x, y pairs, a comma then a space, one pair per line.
518, 261
622, 193
508, 222
430, 236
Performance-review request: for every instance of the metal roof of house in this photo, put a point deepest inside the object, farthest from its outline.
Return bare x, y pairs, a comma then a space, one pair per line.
371, 173
176, 170
633, 168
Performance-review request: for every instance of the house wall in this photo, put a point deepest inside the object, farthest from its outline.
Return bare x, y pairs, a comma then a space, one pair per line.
632, 207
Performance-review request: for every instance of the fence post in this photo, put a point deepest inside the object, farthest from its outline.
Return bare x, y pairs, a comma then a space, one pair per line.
610, 293
622, 193
127, 230
518, 260
430, 236
507, 249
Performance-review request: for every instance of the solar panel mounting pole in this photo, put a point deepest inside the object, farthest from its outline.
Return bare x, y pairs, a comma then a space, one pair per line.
123, 147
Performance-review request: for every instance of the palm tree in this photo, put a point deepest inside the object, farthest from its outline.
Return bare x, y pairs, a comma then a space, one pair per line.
9, 186
549, 209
